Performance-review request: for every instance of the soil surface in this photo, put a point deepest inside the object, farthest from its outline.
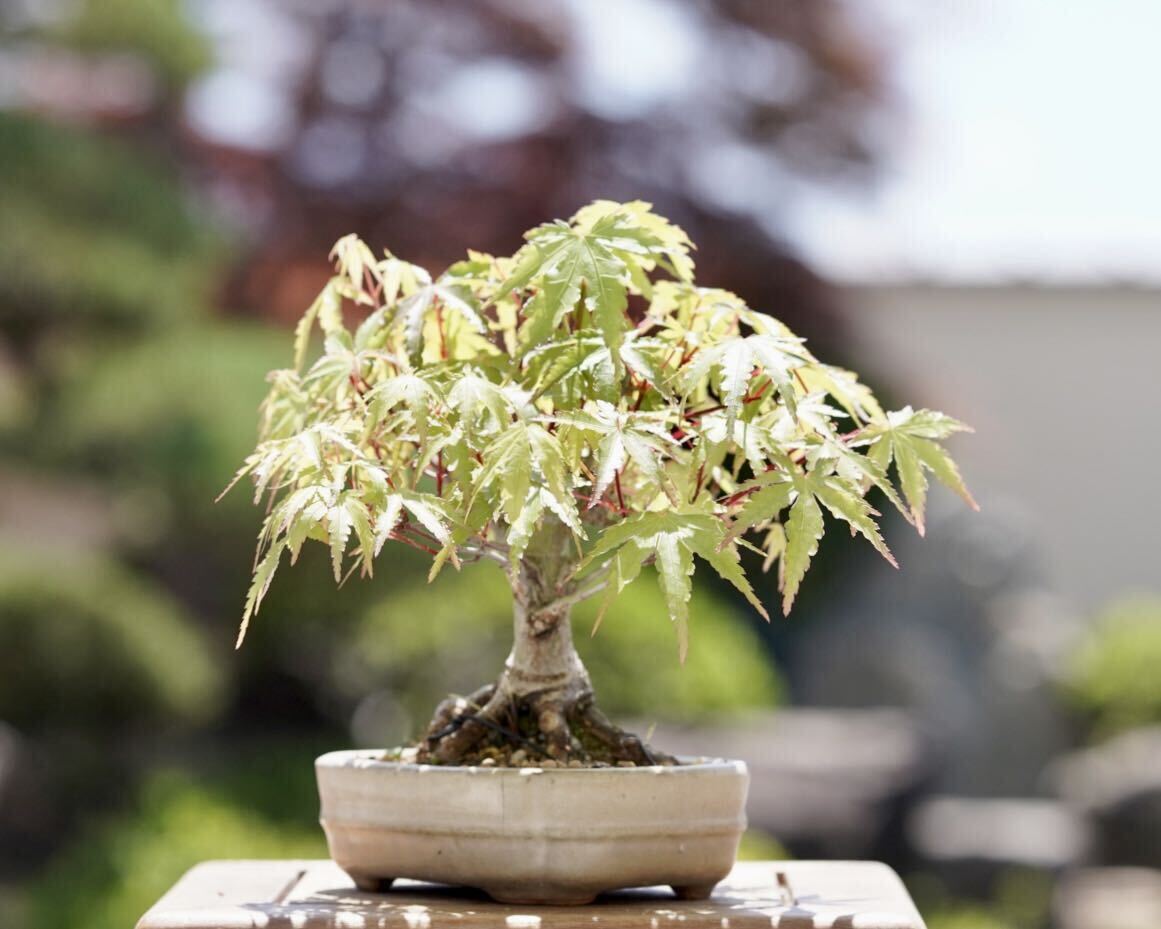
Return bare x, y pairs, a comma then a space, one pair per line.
515, 738
507, 756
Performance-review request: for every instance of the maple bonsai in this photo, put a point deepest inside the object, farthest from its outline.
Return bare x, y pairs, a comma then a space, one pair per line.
575, 412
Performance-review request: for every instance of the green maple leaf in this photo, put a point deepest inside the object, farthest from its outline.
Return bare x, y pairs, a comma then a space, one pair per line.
522, 453
607, 247
411, 391
263, 575
623, 437
329, 306
444, 292
483, 407
862, 469
582, 366
670, 539
353, 257
910, 438
573, 368
428, 510
348, 514
806, 494
739, 360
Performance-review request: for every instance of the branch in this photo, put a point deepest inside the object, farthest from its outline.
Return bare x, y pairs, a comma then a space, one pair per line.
488, 550
584, 593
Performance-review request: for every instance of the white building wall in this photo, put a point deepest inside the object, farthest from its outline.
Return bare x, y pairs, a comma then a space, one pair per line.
1063, 387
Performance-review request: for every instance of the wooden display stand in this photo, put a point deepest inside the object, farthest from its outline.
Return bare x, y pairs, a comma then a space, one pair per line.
317, 895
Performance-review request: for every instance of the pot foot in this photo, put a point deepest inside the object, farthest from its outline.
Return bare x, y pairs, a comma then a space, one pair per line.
372, 885
694, 891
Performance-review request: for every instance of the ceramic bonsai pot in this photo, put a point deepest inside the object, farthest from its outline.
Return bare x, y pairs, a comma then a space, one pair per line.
533, 835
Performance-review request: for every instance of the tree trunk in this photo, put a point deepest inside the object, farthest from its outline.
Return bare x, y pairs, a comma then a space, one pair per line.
544, 681
543, 669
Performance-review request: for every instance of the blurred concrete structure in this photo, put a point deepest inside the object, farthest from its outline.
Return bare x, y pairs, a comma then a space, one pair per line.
1118, 785
1108, 898
825, 783
1057, 380
972, 843
963, 637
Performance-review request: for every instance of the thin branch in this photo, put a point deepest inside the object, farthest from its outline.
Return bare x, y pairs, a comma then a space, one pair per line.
477, 552
578, 596
400, 537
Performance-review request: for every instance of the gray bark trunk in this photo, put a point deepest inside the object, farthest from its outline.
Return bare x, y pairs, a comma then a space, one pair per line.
543, 659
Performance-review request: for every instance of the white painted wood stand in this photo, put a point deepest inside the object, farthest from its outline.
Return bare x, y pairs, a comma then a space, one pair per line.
317, 895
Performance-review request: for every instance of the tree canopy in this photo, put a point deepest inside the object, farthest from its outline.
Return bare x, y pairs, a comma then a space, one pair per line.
587, 379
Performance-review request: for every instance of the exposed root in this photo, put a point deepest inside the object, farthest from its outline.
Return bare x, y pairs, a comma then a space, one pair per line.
621, 745
461, 724
493, 726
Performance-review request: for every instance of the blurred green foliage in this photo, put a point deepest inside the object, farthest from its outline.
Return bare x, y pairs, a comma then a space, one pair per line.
155, 29
1113, 680
93, 233
1020, 899
176, 410
117, 869
757, 845
966, 916
90, 645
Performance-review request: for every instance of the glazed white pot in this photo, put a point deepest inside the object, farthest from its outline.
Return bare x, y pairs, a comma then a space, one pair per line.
533, 835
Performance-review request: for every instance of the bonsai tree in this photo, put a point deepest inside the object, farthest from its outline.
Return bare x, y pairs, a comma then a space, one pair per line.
575, 412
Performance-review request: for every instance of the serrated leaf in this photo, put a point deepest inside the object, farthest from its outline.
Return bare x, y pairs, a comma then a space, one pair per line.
263, 575
671, 539
417, 306
674, 570
739, 360
727, 563
644, 357
625, 569
623, 436
429, 512
412, 392
911, 439
327, 309
473, 395
804, 529
595, 257
353, 257
522, 528
939, 463
770, 493
773, 546
573, 369
340, 521
387, 520
870, 471
511, 461
845, 503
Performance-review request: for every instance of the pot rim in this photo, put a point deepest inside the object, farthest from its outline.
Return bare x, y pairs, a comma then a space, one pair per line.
370, 759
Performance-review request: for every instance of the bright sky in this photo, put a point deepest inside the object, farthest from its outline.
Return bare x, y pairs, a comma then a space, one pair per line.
1033, 147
